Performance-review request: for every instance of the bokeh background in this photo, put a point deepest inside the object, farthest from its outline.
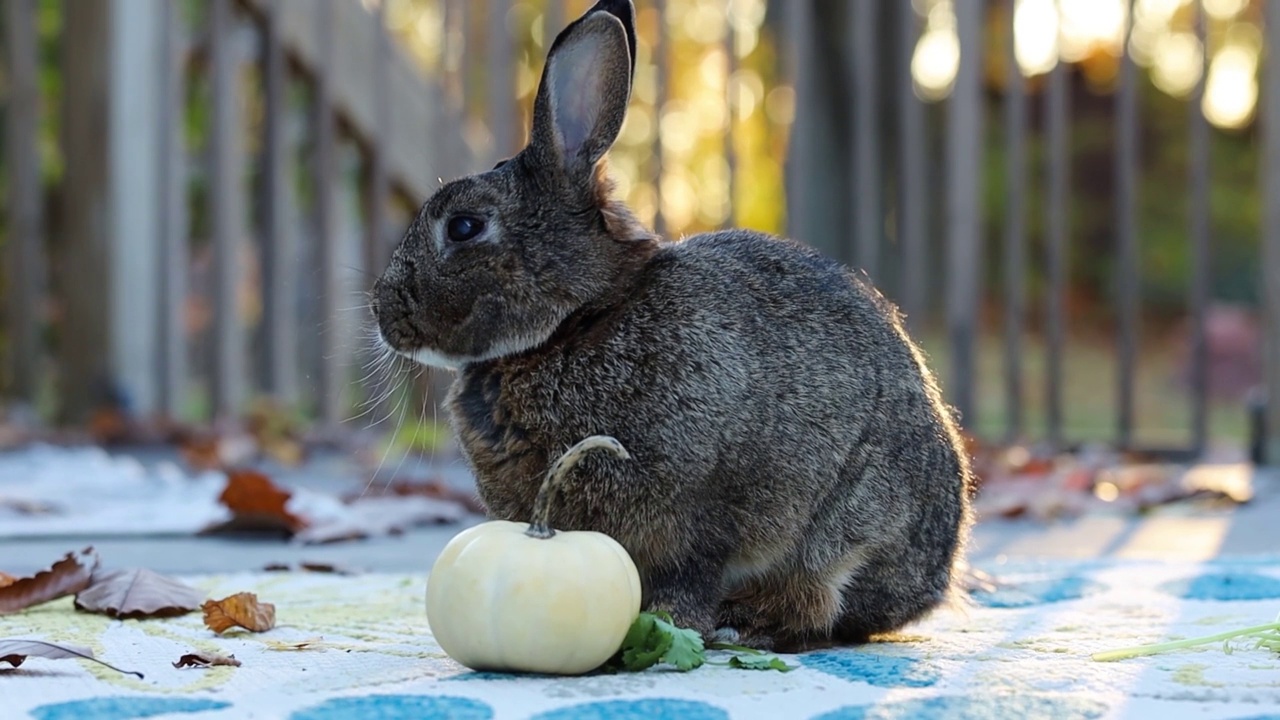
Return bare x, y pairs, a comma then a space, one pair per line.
1068, 199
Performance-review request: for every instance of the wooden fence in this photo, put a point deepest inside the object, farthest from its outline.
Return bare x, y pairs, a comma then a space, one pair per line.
289, 98
893, 169
231, 173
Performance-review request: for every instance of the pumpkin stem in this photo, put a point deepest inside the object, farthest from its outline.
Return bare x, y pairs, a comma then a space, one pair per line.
540, 527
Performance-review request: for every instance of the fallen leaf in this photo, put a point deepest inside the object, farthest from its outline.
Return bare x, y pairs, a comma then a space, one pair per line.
201, 453
7, 579
378, 516
22, 506
277, 431
315, 567
218, 451
14, 652
204, 660
334, 533
256, 502
285, 452
239, 610
308, 644
110, 425
327, 568
67, 576
436, 489
138, 593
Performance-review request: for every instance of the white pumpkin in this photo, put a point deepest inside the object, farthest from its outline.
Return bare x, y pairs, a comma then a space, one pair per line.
511, 596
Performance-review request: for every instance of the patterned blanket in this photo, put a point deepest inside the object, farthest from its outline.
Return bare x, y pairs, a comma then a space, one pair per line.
360, 647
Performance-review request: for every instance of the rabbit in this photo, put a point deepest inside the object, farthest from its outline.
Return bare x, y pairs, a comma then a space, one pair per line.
796, 479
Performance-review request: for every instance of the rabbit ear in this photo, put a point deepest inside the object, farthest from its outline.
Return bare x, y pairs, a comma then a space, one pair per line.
585, 88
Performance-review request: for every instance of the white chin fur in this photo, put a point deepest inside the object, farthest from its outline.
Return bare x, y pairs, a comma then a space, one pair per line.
431, 358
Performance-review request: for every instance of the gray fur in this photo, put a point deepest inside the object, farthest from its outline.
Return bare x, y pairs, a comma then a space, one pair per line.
795, 477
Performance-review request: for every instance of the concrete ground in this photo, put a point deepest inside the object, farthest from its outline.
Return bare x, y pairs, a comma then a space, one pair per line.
1174, 533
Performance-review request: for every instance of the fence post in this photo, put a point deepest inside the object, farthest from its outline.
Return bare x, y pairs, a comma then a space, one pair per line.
172, 177
328, 232
1199, 227
912, 209
868, 221
964, 178
83, 251
226, 214
805, 132
377, 247
135, 199
663, 90
279, 244
1127, 283
1270, 280
731, 115
502, 108
1057, 220
1015, 264
24, 251
378, 242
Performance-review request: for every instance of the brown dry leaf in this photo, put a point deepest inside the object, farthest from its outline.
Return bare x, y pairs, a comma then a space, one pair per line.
277, 432
204, 660
109, 425
318, 567
67, 576
284, 451
21, 506
6, 579
257, 503
314, 643
16, 651
202, 453
218, 450
138, 593
382, 515
436, 489
309, 566
239, 610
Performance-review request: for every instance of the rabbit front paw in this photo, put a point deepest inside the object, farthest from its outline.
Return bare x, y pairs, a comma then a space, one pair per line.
738, 623
683, 594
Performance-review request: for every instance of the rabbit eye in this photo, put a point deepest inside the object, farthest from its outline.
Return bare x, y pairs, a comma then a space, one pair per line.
462, 228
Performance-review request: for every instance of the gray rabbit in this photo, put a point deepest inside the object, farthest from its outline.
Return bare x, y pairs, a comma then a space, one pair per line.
796, 479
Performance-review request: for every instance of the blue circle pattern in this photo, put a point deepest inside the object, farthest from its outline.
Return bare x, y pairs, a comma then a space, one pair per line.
878, 670
1226, 587
1038, 593
654, 709
397, 707
962, 707
124, 707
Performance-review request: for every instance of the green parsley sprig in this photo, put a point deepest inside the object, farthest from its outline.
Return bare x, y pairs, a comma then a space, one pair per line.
655, 639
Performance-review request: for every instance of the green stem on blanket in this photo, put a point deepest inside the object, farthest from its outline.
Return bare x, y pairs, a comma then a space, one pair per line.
1141, 650
734, 648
